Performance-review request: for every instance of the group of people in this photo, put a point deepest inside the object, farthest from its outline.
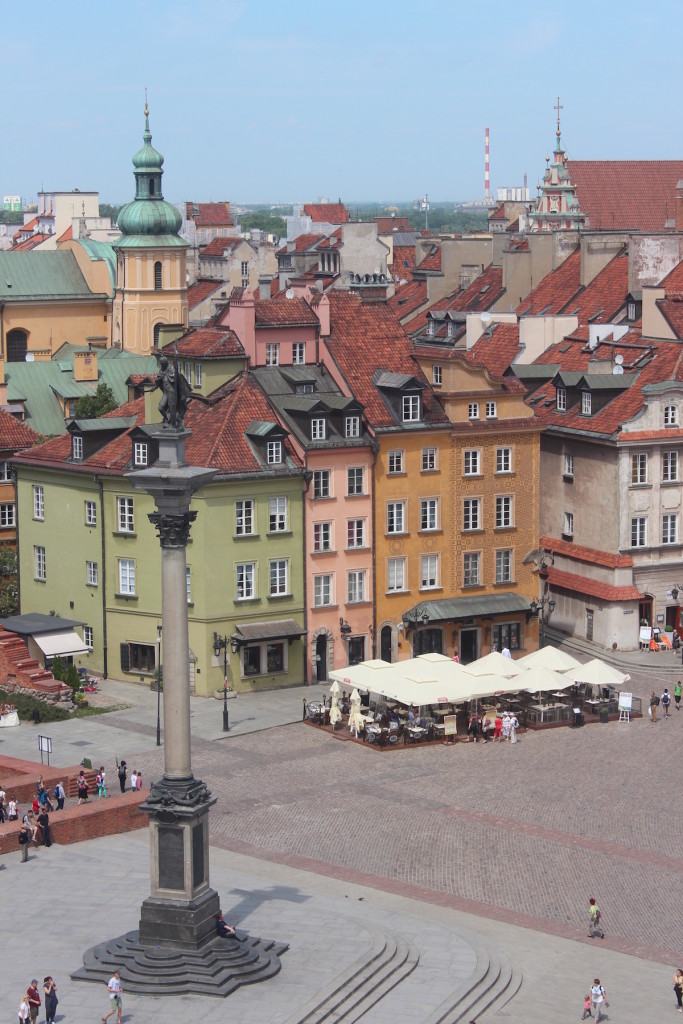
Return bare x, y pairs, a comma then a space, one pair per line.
135, 778
29, 1007
504, 727
665, 701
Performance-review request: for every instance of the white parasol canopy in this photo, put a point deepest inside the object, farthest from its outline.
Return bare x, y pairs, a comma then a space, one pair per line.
494, 664
356, 720
548, 657
597, 672
543, 680
335, 713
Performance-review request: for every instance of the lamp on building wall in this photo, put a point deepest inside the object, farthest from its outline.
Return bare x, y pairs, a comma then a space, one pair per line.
413, 619
344, 628
537, 610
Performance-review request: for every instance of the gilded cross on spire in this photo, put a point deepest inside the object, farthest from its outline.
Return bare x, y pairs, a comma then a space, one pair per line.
558, 107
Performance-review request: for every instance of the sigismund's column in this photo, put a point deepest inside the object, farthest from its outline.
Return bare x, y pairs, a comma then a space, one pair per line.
181, 910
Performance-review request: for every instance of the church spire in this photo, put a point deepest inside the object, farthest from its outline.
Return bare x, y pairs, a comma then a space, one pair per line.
557, 207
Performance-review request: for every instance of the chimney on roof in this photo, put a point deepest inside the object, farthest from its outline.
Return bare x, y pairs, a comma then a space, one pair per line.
679, 206
264, 283
85, 366
323, 313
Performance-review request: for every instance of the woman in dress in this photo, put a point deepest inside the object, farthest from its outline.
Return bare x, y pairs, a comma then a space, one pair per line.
678, 988
50, 990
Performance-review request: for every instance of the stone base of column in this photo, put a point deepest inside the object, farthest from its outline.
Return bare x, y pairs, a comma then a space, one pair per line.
179, 924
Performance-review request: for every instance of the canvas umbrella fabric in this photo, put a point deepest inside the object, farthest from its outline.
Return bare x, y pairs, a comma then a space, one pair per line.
494, 664
548, 657
356, 720
335, 713
597, 672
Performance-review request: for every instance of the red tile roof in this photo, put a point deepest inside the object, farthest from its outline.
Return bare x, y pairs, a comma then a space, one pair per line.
301, 243
672, 311
480, 295
432, 259
387, 225
283, 312
555, 290
673, 282
498, 213
365, 337
217, 246
29, 243
404, 261
327, 213
208, 343
637, 194
209, 215
67, 235
497, 350
593, 588
201, 289
593, 556
606, 295
14, 434
408, 298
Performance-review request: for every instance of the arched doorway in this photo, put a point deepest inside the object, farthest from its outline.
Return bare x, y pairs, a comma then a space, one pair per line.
321, 658
645, 610
385, 644
17, 345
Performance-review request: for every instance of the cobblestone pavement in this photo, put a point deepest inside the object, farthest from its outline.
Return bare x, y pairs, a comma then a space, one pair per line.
524, 833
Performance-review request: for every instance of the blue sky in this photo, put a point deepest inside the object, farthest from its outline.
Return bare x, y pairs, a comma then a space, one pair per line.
271, 101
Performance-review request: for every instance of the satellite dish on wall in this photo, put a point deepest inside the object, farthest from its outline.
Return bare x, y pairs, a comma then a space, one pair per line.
29, 357
618, 369
485, 318
289, 294
618, 360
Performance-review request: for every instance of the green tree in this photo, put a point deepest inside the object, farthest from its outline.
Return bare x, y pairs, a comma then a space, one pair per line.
265, 221
108, 210
91, 406
9, 592
58, 668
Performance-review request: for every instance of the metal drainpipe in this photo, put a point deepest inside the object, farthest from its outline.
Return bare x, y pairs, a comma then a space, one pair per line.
2, 330
105, 651
16, 520
373, 638
307, 484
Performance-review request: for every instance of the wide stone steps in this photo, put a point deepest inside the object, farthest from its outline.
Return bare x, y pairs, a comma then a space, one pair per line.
663, 663
361, 986
493, 983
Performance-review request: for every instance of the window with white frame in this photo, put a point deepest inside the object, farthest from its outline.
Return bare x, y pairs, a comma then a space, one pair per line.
491, 410
91, 574
318, 429
245, 268
568, 464
503, 460
396, 461
669, 467
126, 567
471, 517
88, 637
473, 411
631, 310
188, 584
568, 525
352, 426
429, 572
244, 517
90, 513
321, 483
396, 574
639, 531
471, 576
38, 502
322, 590
125, 517
396, 516
354, 480
586, 403
429, 514
503, 511
639, 468
5, 472
140, 453
8, 515
39, 568
272, 354
472, 459
356, 586
670, 528
187, 372
355, 533
411, 408
198, 375
437, 375
504, 565
77, 447
246, 580
670, 415
278, 576
322, 536
274, 453
430, 460
277, 515
299, 353
561, 399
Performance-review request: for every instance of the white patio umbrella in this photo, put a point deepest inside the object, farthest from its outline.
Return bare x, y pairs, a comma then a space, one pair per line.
549, 657
356, 720
597, 672
494, 664
335, 713
544, 680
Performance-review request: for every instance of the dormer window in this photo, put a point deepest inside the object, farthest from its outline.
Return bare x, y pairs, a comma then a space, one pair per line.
318, 429
77, 446
670, 415
274, 453
305, 389
411, 408
631, 311
140, 453
561, 399
586, 403
352, 426
450, 329
437, 375
431, 328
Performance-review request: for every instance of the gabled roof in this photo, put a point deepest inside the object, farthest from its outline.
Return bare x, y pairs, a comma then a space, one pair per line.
283, 312
388, 225
15, 435
497, 348
593, 588
480, 295
41, 275
673, 282
201, 290
555, 290
219, 246
606, 295
301, 243
636, 194
432, 259
403, 261
209, 215
407, 299
327, 213
208, 343
592, 556
672, 311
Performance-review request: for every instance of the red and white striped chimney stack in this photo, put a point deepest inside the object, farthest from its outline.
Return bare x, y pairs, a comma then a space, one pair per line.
487, 184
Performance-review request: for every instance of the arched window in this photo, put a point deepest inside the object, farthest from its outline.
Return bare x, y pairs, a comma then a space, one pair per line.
157, 276
157, 331
16, 345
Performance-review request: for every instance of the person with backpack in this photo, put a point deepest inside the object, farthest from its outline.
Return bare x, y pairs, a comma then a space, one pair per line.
666, 701
82, 789
123, 775
654, 704
59, 795
598, 999
594, 926
24, 838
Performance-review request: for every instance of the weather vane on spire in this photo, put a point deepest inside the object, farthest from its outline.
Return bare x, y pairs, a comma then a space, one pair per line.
558, 107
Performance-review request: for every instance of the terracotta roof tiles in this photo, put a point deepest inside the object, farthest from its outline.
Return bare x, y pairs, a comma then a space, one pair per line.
218, 246
555, 290
14, 434
327, 213
301, 243
208, 343
593, 588
637, 194
672, 311
209, 215
593, 556
283, 312
200, 290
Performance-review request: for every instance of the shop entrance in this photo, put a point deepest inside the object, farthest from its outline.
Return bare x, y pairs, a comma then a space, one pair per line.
469, 645
385, 644
321, 658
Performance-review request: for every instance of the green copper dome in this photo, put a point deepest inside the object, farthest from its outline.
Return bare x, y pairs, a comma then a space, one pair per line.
149, 221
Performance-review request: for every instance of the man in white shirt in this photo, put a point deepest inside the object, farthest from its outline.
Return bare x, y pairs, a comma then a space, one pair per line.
115, 993
134, 781
598, 999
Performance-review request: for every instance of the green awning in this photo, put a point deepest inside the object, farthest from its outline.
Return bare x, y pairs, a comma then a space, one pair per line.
454, 608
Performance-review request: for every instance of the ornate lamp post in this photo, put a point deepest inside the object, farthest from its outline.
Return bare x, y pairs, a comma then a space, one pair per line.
159, 628
536, 610
220, 643
413, 619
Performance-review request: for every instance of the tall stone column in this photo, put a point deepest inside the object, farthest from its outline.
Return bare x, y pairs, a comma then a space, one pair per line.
182, 908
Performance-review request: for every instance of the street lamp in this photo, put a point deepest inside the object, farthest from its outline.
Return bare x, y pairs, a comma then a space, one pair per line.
220, 643
536, 610
158, 684
418, 616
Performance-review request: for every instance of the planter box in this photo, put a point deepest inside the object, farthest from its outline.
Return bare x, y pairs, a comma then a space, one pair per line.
218, 694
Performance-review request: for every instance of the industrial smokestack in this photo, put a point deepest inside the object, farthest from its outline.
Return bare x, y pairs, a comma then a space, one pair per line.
487, 184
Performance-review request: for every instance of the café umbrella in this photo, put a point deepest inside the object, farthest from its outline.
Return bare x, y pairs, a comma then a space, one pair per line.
356, 720
335, 713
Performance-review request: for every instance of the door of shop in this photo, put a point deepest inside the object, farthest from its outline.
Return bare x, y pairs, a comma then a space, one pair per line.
469, 645
321, 658
385, 644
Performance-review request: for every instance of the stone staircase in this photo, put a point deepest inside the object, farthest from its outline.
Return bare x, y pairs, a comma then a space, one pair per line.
661, 663
19, 670
493, 984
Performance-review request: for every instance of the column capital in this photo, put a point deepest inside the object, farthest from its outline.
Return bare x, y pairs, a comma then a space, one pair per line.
173, 528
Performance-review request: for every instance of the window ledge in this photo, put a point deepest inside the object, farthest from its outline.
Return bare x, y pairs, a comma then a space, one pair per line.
567, 536
398, 533
358, 547
245, 536
328, 497
568, 478
430, 533
432, 471
279, 533
501, 529
640, 487
670, 483
38, 579
127, 597
429, 590
324, 607
93, 586
361, 495
280, 597
324, 551
124, 533
358, 604
247, 600
505, 583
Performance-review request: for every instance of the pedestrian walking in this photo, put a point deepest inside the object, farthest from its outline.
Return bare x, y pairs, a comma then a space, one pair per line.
44, 822
677, 695
60, 796
82, 789
666, 701
586, 1007
115, 995
50, 990
506, 726
514, 726
598, 999
24, 1013
33, 1000
498, 732
654, 703
123, 775
12, 809
594, 915
24, 838
678, 988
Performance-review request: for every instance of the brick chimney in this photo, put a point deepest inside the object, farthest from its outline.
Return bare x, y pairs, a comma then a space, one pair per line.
241, 318
679, 206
